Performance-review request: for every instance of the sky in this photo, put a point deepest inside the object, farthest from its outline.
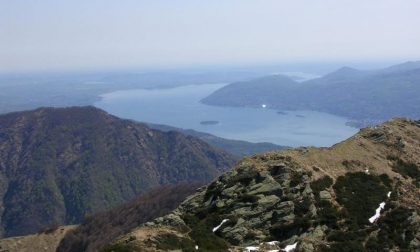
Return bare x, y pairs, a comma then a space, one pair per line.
105, 34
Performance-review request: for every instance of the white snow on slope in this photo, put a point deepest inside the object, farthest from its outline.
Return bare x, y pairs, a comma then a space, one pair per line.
251, 248
223, 222
389, 194
377, 213
271, 243
289, 248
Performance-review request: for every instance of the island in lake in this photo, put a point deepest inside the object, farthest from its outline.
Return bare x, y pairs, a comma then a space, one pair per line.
209, 122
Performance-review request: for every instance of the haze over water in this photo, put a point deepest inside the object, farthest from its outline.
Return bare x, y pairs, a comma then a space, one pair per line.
180, 107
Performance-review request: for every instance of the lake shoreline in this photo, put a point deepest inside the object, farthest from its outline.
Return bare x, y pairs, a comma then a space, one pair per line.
181, 107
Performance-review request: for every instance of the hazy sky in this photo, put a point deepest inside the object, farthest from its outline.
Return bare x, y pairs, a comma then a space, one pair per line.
77, 34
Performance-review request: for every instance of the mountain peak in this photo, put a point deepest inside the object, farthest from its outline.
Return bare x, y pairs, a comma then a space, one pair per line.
343, 72
80, 160
406, 66
274, 79
347, 69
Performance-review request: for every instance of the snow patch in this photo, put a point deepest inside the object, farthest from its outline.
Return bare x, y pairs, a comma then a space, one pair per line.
223, 222
389, 194
377, 213
196, 247
271, 243
251, 248
289, 248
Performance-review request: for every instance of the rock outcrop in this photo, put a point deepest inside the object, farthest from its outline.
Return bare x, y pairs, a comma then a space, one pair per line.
313, 199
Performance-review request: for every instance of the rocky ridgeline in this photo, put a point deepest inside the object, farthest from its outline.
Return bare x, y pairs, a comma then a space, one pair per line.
257, 203
275, 202
275, 207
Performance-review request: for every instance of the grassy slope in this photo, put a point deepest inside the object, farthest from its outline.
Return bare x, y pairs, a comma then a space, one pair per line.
46, 242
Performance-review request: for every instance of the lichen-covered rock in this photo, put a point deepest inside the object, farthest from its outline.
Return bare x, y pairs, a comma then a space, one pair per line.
280, 197
325, 195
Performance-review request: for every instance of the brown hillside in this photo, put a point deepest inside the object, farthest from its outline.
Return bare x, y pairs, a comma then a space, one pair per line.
40, 242
59, 164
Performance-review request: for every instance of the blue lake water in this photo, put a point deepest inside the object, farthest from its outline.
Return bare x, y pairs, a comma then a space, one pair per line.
180, 107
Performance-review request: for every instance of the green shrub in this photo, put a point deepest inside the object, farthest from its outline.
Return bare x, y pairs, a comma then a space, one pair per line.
173, 242
348, 235
283, 231
372, 245
360, 195
346, 246
395, 229
212, 190
295, 179
244, 177
392, 157
248, 198
321, 184
302, 208
328, 214
202, 234
406, 169
117, 248
349, 164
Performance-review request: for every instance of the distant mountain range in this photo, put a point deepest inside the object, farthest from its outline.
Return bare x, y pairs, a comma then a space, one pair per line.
58, 165
236, 147
29, 91
365, 97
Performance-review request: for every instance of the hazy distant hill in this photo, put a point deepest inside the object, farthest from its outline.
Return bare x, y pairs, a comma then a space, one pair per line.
56, 165
29, 91
363, 96
236, 147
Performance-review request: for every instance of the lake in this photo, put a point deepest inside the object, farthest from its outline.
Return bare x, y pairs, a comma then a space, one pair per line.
180, 107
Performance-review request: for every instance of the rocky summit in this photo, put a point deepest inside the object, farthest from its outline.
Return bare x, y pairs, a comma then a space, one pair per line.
359, 195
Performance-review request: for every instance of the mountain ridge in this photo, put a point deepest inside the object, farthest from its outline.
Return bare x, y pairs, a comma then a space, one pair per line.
59, 164
236, 147
320, 199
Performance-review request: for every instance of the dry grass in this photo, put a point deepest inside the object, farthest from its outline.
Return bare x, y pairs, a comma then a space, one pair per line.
41, 242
